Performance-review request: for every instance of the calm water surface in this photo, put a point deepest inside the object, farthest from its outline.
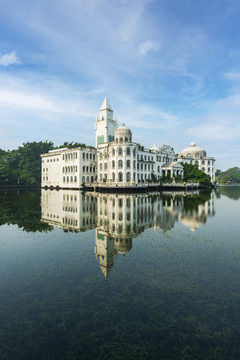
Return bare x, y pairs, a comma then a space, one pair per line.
152, 276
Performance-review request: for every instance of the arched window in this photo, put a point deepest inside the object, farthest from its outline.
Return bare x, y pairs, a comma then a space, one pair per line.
100, 177
128, 164
128, 151
128, 176
120, 177
197, 155
67, 178
86, 168
71, 179
203, 168
120, 151
113, 176
100, 167
63, 169
196, 162
64, 179
120, 164
121, 140
83, 155
134, 176
105, 166
203, 162
105, 176
101, 156
87, 179
134, 164
71, 169
113, 164
75, 178
113, 152
116, 140
126, 139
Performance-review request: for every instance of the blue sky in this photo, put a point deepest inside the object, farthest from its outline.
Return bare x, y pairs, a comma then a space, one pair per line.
170, 68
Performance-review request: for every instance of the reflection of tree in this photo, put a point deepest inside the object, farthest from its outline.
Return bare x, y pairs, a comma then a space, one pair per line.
22, 208
191, 203
232, 192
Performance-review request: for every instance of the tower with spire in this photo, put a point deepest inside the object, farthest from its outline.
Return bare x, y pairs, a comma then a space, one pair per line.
105, 125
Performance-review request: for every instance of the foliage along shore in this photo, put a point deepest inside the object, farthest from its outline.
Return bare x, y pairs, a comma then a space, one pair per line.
229, 176
23, 166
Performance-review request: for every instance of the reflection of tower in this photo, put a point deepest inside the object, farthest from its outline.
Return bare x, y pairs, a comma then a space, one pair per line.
104, 250
105, 126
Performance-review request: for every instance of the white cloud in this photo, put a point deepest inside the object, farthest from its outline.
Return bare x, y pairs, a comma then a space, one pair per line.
146, 46
217, 130
27, 100
9, 59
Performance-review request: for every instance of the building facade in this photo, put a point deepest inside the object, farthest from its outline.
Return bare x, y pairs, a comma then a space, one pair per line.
196, 155
69, 168
117, 160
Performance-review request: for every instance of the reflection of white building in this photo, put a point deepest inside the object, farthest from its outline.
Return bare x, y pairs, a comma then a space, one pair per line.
120, 218
197, 217
69, 210
197, 156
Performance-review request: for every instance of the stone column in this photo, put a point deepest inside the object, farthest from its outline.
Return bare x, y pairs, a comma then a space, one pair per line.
124, 165
132, 170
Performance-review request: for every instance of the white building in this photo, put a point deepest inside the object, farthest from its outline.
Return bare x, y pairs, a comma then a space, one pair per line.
197, 156
117, 160
69, 168
122, 161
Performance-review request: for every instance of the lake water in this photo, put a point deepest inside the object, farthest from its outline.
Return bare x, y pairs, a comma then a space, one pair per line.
144, 276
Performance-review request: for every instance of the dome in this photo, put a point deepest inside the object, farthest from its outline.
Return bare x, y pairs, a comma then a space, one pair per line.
193, 151
123, 245
123, 135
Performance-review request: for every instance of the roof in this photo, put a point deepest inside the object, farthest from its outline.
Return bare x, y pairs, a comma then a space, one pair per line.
106, 105
172, 165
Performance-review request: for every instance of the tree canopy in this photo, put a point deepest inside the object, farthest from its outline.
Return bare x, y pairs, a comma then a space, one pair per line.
192, 173
230, 175
23, 166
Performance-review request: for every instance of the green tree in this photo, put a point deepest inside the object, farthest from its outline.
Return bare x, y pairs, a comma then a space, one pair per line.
230, 175
192, 173
23, 166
